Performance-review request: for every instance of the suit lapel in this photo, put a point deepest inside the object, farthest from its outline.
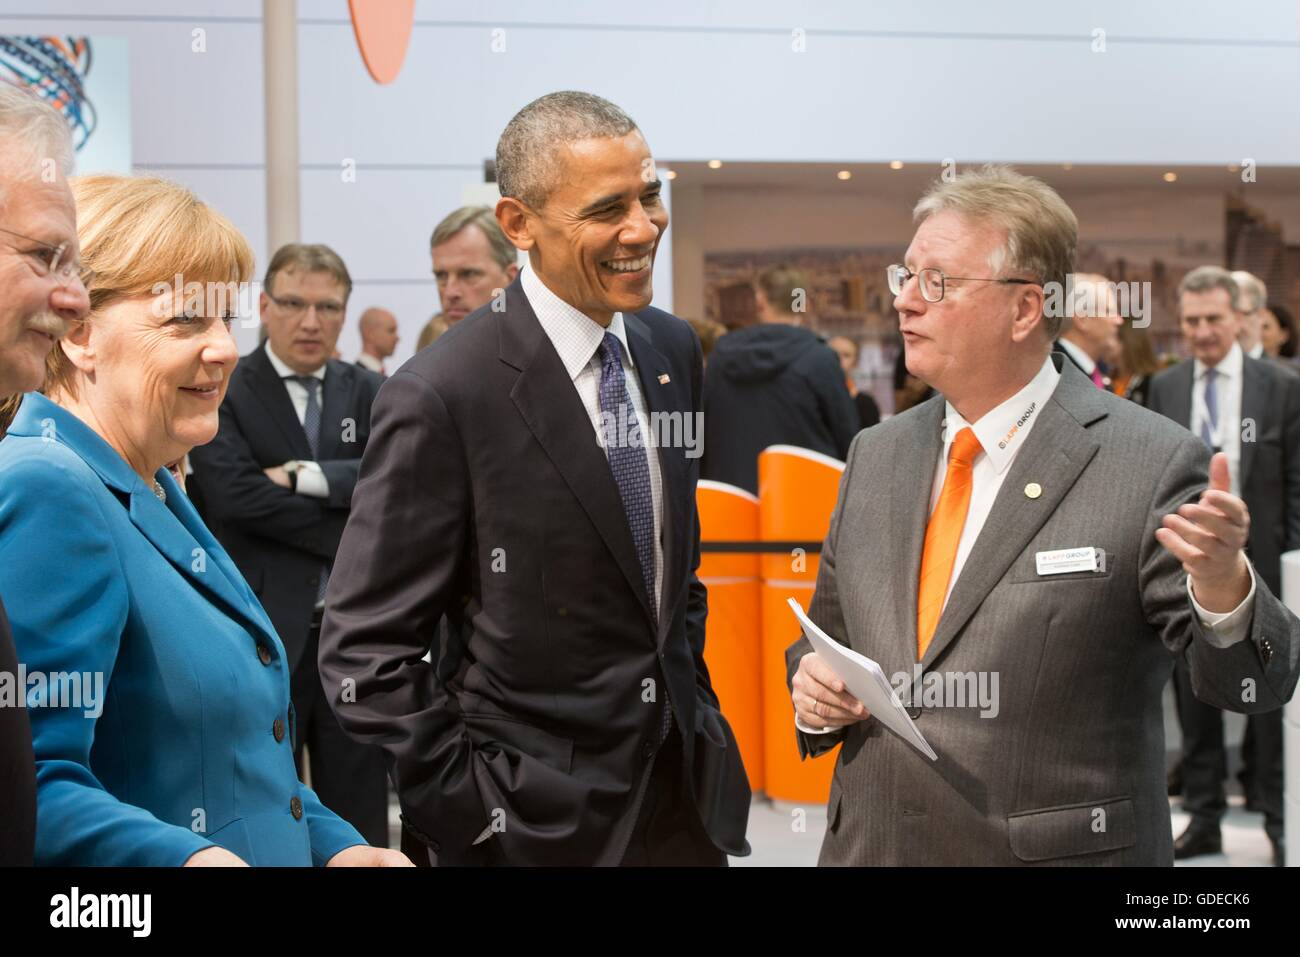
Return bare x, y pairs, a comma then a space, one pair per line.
551, 408
269, 388
650, 365
914, 464
1183, 382
334, 406
1057, 451
1254, 407
184, 541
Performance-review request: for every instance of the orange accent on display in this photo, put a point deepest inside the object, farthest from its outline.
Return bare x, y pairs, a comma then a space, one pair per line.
383, 30
732, 644
797, 494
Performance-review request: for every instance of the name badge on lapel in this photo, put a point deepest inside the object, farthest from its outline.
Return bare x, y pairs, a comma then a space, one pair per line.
1063, 560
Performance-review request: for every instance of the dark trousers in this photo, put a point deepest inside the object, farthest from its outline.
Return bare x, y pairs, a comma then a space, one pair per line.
1205, 760
349, 778
668, 832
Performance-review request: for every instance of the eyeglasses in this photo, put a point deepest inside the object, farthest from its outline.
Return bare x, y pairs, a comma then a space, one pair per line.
933, 281
56, 261
295, 307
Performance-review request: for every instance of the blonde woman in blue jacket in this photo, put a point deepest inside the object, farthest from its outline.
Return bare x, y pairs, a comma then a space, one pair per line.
177, 746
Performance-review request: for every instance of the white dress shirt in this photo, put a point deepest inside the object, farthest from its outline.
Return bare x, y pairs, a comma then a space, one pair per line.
577, 339
368, 361
1001, 433
1257, 351
311, 479
1081, 358
1227, 391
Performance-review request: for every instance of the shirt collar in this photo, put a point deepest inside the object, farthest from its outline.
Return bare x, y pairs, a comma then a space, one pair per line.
574, 334
1229, 366
1002, 430
366, 360
1081, 358
283, 370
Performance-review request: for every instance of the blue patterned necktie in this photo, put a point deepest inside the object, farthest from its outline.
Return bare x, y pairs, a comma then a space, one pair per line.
311, 425
1210, 424
627, 460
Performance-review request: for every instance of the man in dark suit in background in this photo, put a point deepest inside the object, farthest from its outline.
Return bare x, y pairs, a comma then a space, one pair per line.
277, 485
40, 294
1250, 410
530, 475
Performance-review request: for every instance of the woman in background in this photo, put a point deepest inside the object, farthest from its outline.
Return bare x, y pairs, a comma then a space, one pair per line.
1133, 364
1277, 333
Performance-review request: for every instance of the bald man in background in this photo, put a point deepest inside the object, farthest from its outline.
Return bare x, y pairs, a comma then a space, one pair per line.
1091, 332
378, 339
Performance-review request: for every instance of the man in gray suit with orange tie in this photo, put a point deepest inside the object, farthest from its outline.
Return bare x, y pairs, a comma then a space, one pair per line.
1032, 535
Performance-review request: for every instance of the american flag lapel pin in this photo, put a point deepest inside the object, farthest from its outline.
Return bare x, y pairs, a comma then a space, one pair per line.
663, 378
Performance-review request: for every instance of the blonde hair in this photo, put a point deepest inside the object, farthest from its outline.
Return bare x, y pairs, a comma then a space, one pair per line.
139, 232
1042, 232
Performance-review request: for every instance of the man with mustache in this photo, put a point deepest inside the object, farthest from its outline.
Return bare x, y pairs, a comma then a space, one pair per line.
41, 293
513, 484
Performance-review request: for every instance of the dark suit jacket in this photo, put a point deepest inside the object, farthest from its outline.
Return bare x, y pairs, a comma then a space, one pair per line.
17, 766
279, 539
1270, 465
485, 497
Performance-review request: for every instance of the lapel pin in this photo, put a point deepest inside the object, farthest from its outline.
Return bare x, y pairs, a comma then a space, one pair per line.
663, 378
1033, 490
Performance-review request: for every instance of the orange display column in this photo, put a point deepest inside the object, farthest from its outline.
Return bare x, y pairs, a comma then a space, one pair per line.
732, 644
797, 489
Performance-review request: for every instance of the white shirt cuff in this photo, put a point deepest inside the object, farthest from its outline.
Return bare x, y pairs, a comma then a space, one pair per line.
312, 480
1224, 629
807, 730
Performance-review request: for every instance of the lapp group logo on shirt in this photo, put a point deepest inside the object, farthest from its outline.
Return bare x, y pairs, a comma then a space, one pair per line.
383, 31
1020, 424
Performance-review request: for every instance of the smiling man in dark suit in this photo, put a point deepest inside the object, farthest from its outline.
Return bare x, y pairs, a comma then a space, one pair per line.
517, 482
276, 486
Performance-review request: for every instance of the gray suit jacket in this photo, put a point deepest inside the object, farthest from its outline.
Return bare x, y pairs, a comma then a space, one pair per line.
1070, 769
1270, 452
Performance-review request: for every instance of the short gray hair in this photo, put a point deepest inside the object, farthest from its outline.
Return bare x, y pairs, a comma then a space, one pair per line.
503, 250
31, 132
1252, 293
1207, 278
526, 153
1042, 231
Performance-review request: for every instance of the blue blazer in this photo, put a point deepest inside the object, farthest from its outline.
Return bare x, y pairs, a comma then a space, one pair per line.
190, 743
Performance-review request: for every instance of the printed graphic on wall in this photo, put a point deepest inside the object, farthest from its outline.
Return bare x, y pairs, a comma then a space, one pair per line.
86, 79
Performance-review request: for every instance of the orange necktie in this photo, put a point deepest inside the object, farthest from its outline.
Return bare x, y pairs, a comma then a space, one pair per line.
942, 535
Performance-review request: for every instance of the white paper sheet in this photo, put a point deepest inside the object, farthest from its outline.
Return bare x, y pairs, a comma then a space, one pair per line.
865, 680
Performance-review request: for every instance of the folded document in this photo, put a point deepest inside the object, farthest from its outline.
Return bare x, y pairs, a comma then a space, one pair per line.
865, 680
